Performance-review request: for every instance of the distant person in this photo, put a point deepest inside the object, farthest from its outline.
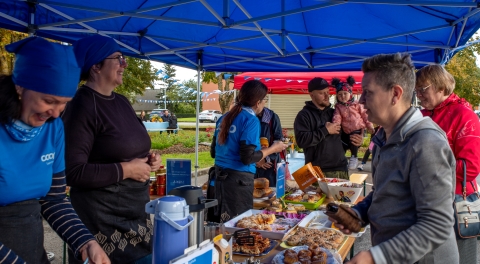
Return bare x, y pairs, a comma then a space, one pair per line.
410, 208
142, 116
32, 148
172, 124
108, 156
318, 136
351, 116
236, 149
455, 116
166, 116
270, 128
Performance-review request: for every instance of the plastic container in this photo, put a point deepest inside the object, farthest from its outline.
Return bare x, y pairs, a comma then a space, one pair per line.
311, 206
170, 232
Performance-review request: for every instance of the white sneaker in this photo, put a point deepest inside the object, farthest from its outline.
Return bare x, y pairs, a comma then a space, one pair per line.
360, 167
353, 163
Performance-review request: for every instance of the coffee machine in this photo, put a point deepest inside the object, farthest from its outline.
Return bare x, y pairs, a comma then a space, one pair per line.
197, 204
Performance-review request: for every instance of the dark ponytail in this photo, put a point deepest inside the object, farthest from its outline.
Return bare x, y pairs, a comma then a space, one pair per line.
10, 105
250, 93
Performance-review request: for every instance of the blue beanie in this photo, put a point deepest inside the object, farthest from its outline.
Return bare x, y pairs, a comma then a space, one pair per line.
45, 67
94, 49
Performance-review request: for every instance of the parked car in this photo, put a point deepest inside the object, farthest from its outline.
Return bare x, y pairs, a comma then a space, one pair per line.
209, 115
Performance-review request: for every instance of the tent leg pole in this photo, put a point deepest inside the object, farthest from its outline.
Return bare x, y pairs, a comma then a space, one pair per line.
196, 126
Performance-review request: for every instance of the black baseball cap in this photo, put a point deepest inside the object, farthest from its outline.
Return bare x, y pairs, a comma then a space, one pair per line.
317, 83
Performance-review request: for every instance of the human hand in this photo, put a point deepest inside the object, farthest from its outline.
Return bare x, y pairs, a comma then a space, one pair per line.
332, 128
154, 160
371, 130
278, 146
356, 139
94, 253
363, 257
340, 226
136, 169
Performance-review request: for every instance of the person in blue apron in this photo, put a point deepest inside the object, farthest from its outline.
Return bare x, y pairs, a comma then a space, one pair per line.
32, 167
236, 149
108, 157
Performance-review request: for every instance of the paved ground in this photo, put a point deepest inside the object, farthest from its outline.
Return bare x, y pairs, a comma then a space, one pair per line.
54, 244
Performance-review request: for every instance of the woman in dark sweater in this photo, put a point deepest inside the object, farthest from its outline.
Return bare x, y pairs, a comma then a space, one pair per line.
107, 156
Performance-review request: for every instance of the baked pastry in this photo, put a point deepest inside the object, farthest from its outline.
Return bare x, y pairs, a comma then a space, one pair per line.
345, 216
304, 260
315, 249
291, 251
290, 258
293, 240
294, 197
305, 253
277, 203
320, 258
258, 193
261, 183
268, 190
299, 207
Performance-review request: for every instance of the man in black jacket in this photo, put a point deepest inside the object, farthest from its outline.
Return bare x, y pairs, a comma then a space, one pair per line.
318, 136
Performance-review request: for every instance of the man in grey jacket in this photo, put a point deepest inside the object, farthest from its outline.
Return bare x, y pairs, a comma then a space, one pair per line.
410, 207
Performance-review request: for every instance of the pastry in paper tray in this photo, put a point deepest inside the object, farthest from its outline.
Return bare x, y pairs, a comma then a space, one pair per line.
344, 216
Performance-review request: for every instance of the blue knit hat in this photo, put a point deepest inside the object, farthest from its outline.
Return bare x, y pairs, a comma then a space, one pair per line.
45, 67
94, 49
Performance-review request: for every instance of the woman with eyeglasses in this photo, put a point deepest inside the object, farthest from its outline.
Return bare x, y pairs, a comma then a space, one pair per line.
434, 89
108, 159
236, 149
32, 152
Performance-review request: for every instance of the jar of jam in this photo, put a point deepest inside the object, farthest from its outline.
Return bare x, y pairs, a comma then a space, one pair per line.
161, 190
161, 178
153, 188
162, 169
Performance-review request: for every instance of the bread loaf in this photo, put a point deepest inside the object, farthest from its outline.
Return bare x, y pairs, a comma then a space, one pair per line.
258, 193
261, 183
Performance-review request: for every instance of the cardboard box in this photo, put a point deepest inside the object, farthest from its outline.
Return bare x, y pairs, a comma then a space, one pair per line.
224, 249
346, 192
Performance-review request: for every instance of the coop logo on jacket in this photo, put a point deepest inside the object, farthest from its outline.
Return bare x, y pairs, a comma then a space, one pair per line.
48, 158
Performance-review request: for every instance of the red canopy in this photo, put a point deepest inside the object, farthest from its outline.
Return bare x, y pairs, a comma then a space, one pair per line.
295, 82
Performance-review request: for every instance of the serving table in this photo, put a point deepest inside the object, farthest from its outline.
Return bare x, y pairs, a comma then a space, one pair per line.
346, 247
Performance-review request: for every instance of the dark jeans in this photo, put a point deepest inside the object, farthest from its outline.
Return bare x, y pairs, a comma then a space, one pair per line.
347, 143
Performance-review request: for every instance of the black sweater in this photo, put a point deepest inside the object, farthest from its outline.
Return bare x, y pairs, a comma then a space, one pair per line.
320, 148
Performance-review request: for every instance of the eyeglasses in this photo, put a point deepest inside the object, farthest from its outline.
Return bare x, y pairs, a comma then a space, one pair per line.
120, 58
265, 99
422, 90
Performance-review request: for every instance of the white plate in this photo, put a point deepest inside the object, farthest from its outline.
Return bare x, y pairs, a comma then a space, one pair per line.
333, 258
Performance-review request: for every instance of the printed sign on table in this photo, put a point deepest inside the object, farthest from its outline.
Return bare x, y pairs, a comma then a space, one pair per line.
179, 173
281, 168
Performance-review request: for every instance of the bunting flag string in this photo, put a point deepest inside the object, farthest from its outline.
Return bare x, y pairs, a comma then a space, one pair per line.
173, 101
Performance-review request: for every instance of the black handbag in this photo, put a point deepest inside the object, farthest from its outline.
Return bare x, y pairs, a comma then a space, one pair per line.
466, 210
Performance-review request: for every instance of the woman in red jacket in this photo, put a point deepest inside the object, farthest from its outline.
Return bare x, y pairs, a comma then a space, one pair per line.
434, 88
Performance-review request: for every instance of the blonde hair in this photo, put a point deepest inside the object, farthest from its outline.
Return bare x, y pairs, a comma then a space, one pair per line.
437, 76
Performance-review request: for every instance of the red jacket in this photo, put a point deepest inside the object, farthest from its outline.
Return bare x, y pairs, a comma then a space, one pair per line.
456, 117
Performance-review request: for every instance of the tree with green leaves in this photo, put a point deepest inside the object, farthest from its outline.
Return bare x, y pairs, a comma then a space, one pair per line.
138, 76
176, 94
224, 99
464, 69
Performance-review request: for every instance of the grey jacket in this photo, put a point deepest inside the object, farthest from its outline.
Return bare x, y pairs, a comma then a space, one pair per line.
410, 207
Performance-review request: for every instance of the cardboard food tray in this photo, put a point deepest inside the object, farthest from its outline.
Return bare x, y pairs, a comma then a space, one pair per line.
311, 206
230, 226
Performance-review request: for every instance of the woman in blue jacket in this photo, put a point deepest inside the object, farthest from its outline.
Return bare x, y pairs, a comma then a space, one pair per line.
236, 149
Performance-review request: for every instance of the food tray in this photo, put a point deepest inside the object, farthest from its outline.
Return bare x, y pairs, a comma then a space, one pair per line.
230, 226
273, 244
311, 206
333, 258
318, 219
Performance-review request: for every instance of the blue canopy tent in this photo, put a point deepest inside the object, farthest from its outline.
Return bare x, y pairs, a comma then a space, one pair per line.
260, 35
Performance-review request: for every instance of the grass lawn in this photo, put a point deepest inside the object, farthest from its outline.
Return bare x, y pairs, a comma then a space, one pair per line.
187, 119
204, 159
